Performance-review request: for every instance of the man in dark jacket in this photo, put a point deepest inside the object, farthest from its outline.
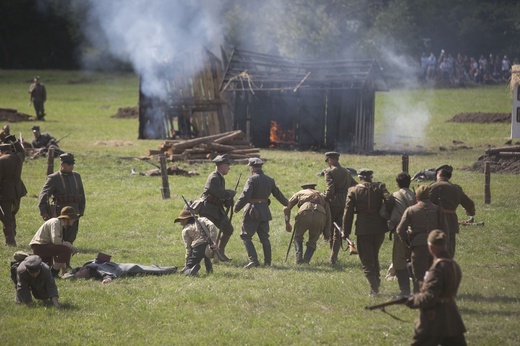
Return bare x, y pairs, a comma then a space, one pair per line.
38, 97
34, 278
257, 215
440, 322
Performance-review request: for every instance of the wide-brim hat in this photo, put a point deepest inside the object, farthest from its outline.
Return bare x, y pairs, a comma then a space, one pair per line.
183, 215
68, 212
331, 154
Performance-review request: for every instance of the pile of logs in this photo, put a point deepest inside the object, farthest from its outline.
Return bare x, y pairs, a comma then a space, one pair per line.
204, 149
512, 151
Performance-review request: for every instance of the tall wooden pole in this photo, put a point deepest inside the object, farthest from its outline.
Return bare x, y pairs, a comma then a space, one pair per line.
487, 183
165, 189
50, 161
405, 162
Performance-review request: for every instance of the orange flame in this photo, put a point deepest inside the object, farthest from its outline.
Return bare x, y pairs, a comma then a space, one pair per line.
278, 135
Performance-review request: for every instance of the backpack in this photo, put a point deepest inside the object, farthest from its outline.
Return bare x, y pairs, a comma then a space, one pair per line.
19, 257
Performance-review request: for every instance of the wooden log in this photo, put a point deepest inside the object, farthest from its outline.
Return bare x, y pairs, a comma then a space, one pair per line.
229, 136
9, 110
193, 142
175, 157
152, 152
196, 156
245, 151
195, 151
497, 150
217, 147
242, 156
509, 154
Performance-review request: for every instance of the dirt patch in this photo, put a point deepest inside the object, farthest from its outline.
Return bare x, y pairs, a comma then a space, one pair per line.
127, 113
497, 165
13, 116
481, 118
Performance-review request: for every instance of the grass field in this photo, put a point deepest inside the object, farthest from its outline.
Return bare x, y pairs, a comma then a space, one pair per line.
286, 303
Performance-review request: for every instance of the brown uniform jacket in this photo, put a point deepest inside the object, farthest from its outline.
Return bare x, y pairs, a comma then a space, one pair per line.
254, 197
311, 200
65, 190
338, 180
422, 218
215, 196
11, 185
449, 196
365, 199
439, 314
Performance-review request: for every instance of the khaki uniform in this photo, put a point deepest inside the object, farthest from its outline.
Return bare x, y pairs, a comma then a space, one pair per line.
196, 242
402, 199
449, 196
439, 320
313, 216
12, 189
338, 180
61, 190
366, 199
421, 218
256, 215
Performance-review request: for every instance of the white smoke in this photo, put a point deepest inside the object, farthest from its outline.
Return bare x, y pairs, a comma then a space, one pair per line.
149, 34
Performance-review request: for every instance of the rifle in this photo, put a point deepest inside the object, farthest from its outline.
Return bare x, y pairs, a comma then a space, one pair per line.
383, 305
62, 138
471, 222
290, 243
351, 244
205, 231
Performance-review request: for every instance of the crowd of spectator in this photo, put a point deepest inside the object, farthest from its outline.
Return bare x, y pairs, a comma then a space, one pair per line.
455, 70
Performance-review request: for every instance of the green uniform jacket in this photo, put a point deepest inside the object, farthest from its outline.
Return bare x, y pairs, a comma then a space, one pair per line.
215, 196
422, 218
65, 190
338, 180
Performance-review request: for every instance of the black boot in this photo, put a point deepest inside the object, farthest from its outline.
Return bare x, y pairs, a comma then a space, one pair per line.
403, 280
298, 246
9, 236
192, 271
267, 253
308, 254
55, 273
251, 253
224, 239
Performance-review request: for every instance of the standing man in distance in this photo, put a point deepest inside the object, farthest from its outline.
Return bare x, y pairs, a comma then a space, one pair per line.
338, 180
256, 216
449, 196
440, 322
215, 197
365, 199
61, 189
38, 97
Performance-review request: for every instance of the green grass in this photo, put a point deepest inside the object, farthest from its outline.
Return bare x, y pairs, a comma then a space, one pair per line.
285, 304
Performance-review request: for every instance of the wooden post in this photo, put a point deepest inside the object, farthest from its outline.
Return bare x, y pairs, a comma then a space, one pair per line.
404, 162
165, 189
50, 161
487, 183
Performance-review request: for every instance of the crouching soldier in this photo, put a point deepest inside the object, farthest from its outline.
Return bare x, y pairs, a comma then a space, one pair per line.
196, 242
34, 278
313, 216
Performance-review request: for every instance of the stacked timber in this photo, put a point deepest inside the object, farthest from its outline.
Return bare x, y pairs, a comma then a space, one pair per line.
512, 151
204, 149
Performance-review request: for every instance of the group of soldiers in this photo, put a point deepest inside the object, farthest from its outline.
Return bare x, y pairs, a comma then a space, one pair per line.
424, 224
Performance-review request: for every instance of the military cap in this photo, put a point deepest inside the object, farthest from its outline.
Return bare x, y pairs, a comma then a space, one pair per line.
365, 173
35, 128
36, 78
33, 263
102, 258
220, 159
423, 192
68, 212
255, 161
183, 215
19, 256
446, 168
437, 238
309, 186
67, 158
331, 154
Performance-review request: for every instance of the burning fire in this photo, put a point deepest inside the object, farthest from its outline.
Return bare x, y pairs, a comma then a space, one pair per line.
279, 135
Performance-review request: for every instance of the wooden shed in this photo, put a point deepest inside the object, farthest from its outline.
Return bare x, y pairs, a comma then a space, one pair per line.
192, 107
309, 104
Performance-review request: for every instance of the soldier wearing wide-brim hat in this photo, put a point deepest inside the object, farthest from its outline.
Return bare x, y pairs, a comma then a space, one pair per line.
195, 242
365, 200
338, 180
33, 278
449, 196
313, 216
12, 189
440, 322
217, 200
256, 216
61, 189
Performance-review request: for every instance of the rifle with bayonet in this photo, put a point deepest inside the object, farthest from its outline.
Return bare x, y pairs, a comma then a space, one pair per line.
351, 244
204, 231
471, 222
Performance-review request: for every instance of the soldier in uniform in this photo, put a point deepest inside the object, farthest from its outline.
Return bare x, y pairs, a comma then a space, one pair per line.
338, 180
399, 201
38, 97
6, 132
42, 142
439, 322
33, 278
196, 242
448, 196
256, 216
12, 189
215, 197
365, 199
313, 216
416, 223
61, 189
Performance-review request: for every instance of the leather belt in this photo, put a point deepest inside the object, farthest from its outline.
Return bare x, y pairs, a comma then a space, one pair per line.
449, 211
260, 200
